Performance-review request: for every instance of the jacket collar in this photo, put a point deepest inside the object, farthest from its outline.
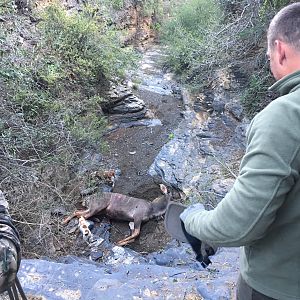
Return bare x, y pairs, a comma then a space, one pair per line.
287, 84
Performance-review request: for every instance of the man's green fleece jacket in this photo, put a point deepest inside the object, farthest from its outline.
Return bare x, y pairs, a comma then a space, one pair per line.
262, 210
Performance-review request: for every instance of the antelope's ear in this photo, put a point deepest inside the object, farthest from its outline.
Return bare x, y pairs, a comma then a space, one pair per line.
163, 188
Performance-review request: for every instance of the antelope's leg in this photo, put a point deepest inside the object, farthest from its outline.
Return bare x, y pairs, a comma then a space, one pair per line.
77, 213
129, 239
137, 229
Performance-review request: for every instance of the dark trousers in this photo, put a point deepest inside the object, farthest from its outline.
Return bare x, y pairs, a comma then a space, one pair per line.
245, 292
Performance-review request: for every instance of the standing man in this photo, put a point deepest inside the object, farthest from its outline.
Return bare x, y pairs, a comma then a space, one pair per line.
262, 210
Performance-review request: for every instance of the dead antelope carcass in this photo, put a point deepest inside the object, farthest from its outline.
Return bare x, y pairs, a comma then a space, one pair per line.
124, 208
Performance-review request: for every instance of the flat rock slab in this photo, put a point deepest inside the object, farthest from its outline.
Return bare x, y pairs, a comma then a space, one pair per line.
88, 281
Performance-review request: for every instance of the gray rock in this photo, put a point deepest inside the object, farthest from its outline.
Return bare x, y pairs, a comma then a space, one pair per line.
120, 100
218, 106
96, 255
235, 109
118, 93
241, 130
90, 161
222, 186
180, 162
59, 211
128, 117
130, 104
198, 143
88, 191
85, 280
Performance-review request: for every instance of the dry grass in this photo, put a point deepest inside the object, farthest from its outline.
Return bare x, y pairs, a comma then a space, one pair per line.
44, 134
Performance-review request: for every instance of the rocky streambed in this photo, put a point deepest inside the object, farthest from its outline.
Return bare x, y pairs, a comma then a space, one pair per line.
158, 133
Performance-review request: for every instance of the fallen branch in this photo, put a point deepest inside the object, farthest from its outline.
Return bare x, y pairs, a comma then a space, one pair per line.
225, 166
28, 223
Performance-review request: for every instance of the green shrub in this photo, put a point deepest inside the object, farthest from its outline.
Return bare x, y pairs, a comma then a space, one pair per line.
115, 4
275, 4
56, 86
87, 49
7, 6
203, 36
255, 96
153, 8
187, 32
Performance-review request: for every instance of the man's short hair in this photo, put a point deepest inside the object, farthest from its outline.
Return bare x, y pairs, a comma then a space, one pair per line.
285, 26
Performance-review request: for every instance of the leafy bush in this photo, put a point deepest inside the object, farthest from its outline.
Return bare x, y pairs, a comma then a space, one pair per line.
52, 89
203, 36
86, 49
115, 4
153, 8
7, 6
255, 97
53, 77
66, 72
187, 31
275, 4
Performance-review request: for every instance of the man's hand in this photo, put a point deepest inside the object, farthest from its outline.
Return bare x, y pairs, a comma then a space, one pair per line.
191, 209
202, 250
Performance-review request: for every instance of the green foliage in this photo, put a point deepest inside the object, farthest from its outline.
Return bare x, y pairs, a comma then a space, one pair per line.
203, 36
269, 7
187, 31
171, 136
85, 47
35, 105
115, 4
7, 6
54, 87
275, 4
86, 126
255, 96
195, 17
153, 8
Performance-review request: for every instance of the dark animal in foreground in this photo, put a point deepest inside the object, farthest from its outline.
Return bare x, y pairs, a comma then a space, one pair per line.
124, 208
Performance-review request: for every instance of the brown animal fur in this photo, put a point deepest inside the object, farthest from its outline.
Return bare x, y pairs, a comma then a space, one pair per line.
125, 208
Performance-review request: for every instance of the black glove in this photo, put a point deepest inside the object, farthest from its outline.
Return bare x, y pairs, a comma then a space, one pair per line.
202, 250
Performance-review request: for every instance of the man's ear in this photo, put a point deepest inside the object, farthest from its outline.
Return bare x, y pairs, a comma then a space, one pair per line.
280, 48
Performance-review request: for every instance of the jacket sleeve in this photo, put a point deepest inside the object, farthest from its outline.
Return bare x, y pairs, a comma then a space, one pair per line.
266, 176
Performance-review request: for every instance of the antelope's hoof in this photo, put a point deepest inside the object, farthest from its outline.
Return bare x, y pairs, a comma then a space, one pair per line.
66, 221
121, 243
124, 243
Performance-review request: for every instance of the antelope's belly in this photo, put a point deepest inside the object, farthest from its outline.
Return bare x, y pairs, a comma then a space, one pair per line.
120, 215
